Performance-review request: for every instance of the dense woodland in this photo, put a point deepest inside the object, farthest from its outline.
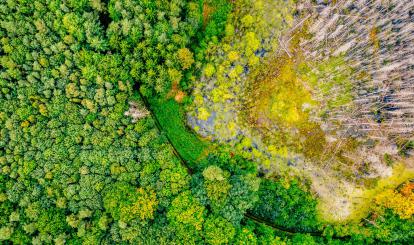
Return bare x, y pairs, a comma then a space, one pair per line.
93, 143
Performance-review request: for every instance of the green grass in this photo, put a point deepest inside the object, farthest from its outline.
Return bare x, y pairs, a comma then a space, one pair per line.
171, 117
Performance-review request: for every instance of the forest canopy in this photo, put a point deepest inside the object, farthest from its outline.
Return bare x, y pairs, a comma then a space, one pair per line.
105, 114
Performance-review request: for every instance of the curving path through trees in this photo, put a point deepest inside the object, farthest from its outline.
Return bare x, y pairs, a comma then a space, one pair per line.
184, 163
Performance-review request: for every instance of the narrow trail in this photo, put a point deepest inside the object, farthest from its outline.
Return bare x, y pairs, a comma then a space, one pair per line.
184, 163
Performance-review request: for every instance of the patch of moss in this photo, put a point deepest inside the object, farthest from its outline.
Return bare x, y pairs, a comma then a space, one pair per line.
314, 141
288, 90
287, 96
330, 79
388, 159
171, 117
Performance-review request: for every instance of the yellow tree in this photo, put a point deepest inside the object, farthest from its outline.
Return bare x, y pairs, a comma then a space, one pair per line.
401, 202
185, 57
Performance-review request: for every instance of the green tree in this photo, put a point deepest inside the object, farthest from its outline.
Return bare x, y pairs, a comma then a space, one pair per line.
125, 202
185, 56
217, 230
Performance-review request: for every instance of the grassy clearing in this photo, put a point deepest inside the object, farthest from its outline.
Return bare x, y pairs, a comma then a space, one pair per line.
171, 117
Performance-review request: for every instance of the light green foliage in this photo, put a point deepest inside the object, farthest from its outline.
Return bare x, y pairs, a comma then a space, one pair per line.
303, 239
214, 173
255, 233
175, 181
187, 215
187, 210
51, 221
126, 203
171, 118
216, 184
185, 57
5, 233
218, 230
325, 77
76, 169
245, 236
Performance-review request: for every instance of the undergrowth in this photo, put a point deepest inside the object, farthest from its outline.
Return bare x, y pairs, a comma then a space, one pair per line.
171, 117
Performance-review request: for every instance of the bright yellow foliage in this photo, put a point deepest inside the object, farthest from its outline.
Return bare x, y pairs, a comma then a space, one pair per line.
401, 202
42, 109
233, 56
209, 70
247, 20
25, 124
253, 60
286, 96
252, 41
203, 114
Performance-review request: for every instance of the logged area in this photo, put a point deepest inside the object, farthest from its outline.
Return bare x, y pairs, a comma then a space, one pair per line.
206, 122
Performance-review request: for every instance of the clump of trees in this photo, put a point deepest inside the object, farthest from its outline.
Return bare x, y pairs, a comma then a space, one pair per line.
73, 167
227, 185
287, 204
153, 37
402, 201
